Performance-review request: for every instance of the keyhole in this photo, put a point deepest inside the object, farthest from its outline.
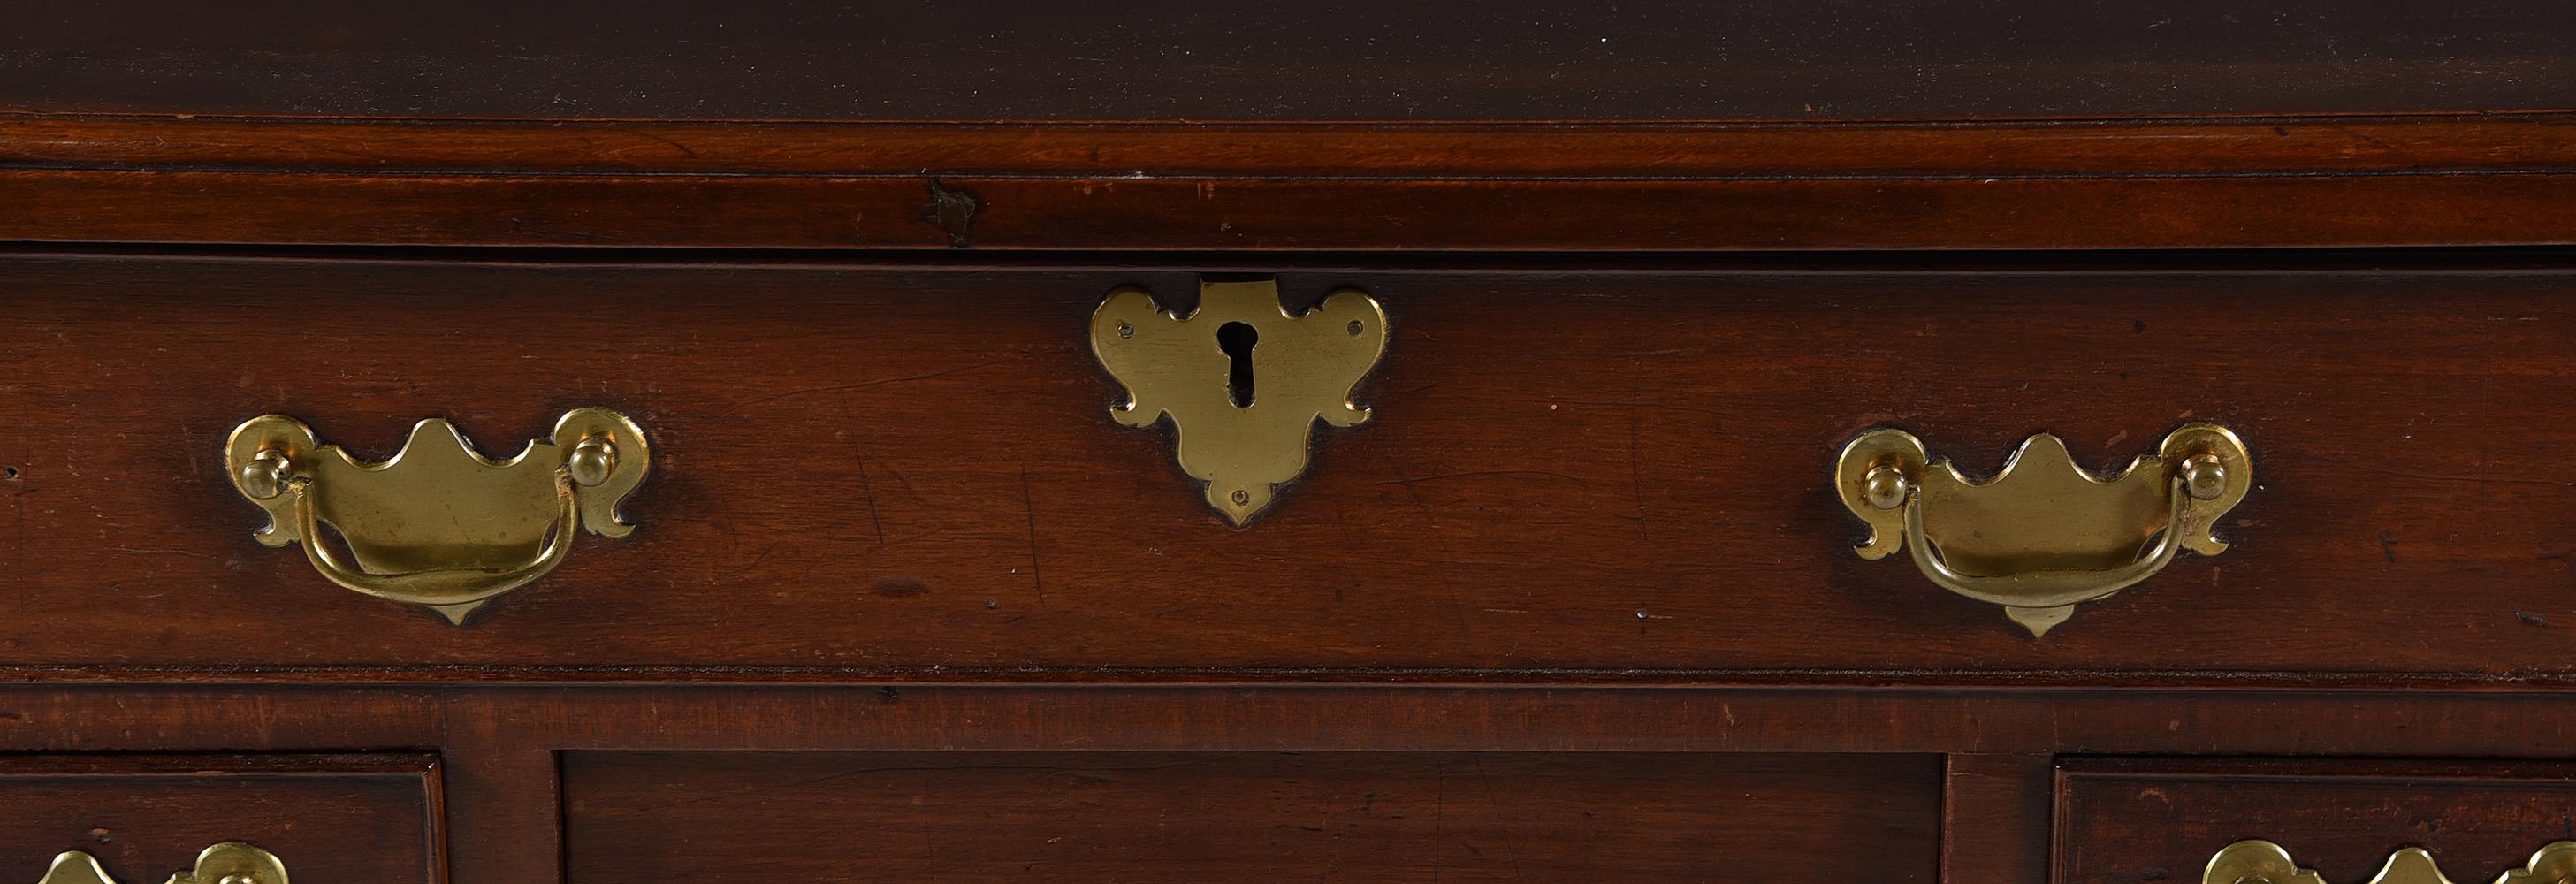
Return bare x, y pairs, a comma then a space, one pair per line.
1237, 340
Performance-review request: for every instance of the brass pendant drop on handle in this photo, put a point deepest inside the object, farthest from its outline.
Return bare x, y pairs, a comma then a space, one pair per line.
2043, 535
1242, 380
231, 862
2263, 862
439, 525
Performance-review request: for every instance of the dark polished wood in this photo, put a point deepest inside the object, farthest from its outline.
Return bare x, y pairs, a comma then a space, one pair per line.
1526, 154
866, 471
1995, 817
2162, 819
1578, 604
506, 841
1102, 816
505, 720
375, 817
2482, 179
1499, 59
500, 823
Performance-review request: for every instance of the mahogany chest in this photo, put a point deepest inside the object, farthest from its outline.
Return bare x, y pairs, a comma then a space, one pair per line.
1977, 442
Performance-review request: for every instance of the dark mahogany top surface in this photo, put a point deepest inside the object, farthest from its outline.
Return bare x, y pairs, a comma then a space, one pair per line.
1483, 60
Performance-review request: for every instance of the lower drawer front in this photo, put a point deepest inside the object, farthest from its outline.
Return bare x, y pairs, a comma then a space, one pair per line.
349, 818
1111, 816
2140, 821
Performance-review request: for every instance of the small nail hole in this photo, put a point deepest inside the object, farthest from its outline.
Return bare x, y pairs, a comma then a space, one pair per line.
1242, 497
8, 472
1126, 330
1355, 328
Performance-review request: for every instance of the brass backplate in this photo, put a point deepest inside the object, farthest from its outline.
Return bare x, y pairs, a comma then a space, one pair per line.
2263, 862
2043, 533
438, 524
231, 862
1302, 369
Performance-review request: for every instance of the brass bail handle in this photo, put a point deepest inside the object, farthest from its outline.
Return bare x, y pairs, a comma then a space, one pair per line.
2256, 861
2043, 535
439, 525
231, 862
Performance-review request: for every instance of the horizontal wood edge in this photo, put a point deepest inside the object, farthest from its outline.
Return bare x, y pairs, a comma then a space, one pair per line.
2292, 182
788, 676
70, 718
2494, 142
406, 764
348, 209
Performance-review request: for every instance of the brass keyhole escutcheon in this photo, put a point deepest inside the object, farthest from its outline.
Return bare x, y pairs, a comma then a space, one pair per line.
1241, 380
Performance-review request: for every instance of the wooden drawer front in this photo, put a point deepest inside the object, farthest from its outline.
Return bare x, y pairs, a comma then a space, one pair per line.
914, 471
371, 818
1102, 816
2136, 821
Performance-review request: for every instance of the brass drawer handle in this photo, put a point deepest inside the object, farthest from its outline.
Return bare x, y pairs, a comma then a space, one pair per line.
231, 862
2263, 862
439, 525
2044, 534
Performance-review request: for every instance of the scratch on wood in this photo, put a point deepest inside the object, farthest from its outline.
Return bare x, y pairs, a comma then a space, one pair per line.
1663, 406
1636, 486
160, 551
1402, 479
1439, 812
903, 480
682, 148
1406, 482
861, 385
1029, 505
868, 490
2481, 480
18, 506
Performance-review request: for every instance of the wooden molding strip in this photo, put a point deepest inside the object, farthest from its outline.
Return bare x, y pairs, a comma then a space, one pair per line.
2476, 179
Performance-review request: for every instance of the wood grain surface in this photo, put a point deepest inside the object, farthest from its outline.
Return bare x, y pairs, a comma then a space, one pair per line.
374, 817
1123, 816
501, 742
2133, 821
2444, 179
1505, 59
1580, 587
874, 471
